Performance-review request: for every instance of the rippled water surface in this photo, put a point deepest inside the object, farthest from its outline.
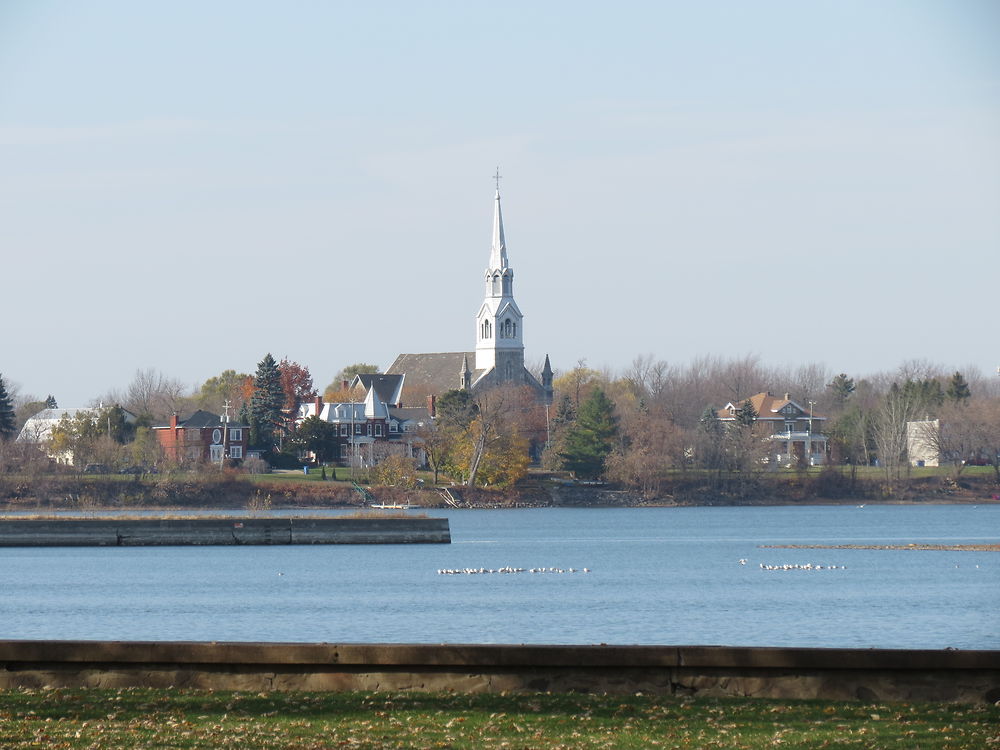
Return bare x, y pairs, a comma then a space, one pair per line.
657, 576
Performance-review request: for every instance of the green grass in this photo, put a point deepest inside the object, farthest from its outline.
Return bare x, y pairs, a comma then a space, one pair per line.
132, 718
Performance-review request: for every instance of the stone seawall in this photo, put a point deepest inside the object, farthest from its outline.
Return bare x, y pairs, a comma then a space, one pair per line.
114, 532
786, 673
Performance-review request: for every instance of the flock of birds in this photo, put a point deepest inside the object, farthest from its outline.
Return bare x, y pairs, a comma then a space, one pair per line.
507, 569
797, 566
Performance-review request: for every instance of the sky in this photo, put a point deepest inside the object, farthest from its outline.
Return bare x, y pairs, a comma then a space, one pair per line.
187, 186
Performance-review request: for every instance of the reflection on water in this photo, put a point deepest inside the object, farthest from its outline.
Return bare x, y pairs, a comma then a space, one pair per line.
657, 576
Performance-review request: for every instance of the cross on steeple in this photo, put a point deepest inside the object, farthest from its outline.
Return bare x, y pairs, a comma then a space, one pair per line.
498, 177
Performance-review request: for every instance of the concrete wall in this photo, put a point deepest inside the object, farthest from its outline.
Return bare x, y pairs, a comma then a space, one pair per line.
111, 532
842, 674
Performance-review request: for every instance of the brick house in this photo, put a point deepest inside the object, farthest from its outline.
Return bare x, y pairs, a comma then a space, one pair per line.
795, 431
202, 438
369, 430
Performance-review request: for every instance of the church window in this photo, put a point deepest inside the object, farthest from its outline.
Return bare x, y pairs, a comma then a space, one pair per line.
506, 285
507, 329
496, 285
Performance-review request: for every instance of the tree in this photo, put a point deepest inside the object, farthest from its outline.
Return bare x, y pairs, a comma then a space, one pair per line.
8, 419
228, 386
840, 389
347, 374
265, 403
96, 435
710, 436
317, 435
297, 383
151, 396
958, 389
578, 382
455, 408
899, 406
394, 470
590, 440
746, 415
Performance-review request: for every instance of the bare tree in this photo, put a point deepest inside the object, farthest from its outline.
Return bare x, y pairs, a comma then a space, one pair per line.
152, 396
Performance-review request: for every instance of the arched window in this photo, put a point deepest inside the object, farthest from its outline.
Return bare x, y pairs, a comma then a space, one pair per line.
506, 285
508, 329
496, 285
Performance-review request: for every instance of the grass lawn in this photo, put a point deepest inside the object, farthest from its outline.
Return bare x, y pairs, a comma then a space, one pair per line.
131, 718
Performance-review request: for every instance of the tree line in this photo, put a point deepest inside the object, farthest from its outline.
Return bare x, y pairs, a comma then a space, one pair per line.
636, 427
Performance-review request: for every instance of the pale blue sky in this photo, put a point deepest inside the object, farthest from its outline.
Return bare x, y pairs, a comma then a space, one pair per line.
189, 185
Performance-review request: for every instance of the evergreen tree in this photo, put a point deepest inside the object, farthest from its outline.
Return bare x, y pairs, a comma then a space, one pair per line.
709, 422
50, 402
590, 440
841, 388
565, 411
958, 389
455, 408
266, 402
746, 415
8, 419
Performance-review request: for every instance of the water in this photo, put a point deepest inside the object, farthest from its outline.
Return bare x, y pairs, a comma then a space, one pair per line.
658, 576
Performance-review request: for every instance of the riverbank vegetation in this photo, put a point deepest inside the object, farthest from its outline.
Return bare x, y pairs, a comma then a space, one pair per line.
656, 433
127, 718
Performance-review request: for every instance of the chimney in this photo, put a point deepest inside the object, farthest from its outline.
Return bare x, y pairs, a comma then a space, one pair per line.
787, 397
173, 421
319, 405
431, 405
343, 385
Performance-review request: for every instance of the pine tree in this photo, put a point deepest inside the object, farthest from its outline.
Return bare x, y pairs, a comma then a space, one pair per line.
266, 402
8, 420
590, 440
746, 415
841, 388
958, 389
50, 402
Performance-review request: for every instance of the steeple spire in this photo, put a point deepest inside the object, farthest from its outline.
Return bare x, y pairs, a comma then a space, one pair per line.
498, 250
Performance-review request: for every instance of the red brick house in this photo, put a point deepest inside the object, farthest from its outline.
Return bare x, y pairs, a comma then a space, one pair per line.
202, 438
370, 430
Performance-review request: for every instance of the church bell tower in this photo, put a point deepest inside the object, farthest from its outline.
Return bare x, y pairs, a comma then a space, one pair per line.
499, 329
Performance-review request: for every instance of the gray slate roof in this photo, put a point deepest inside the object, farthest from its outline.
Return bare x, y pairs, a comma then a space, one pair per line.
388, 387
433, 373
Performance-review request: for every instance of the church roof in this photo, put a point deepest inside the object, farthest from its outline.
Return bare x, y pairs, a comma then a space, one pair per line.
432, 373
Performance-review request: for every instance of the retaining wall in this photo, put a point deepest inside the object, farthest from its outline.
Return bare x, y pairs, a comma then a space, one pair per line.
111, 532
839, 674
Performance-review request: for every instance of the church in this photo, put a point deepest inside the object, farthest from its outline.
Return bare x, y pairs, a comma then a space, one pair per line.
498, 359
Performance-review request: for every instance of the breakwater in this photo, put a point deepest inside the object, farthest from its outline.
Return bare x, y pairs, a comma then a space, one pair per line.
158, 531
835, 674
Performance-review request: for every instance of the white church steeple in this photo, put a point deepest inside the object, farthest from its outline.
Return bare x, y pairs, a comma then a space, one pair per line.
499, 342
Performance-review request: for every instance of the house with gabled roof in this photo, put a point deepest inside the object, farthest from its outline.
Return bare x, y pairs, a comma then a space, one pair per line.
369, 430
795, 432
203, 437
